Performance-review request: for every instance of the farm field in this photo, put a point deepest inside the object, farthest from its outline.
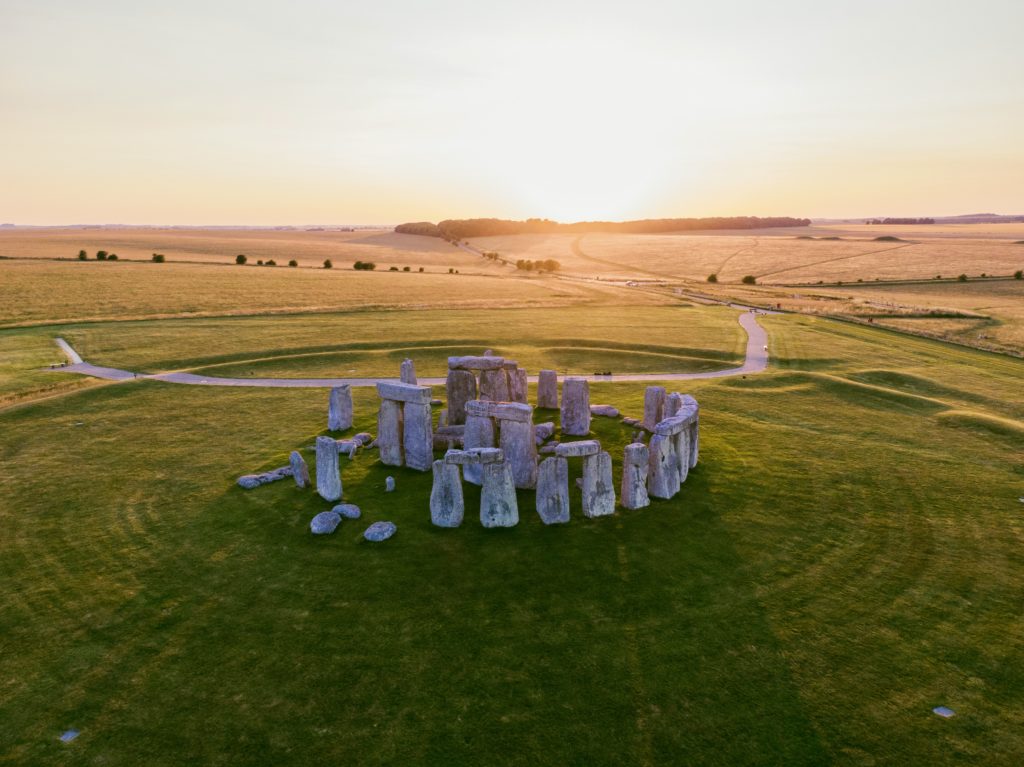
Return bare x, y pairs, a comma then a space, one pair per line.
847, 555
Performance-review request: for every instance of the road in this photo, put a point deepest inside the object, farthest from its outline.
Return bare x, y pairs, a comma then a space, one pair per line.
755, 361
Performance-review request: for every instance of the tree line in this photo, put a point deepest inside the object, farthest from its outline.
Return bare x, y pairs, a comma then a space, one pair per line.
878, 221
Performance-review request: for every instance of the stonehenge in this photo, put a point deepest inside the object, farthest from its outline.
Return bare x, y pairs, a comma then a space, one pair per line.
576, 407
547, 390
633, 492
498, 504
328, 470
405, 426
597, 485
339, 408
512, 423
673, 449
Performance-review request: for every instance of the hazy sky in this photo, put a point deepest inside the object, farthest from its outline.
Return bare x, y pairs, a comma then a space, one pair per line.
386, 111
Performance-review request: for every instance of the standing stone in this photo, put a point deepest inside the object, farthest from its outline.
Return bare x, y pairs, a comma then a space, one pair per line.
339, 408
389, 432
690, 402
673, 403
682, 450
517, 442
389, 484
575, 406
634, 476
418, 436
461, 387
299, 469
518, 385
553, 491
598, 485
498, 506
547, 390
663, 474
447, 505
479, 433
328, 471
408, 372
494, 385
654, 406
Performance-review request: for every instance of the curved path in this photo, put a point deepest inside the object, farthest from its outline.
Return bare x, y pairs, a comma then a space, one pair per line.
756, 361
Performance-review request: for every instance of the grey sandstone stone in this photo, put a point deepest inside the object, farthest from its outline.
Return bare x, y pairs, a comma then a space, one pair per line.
249, 481
518, 385
575, 407
348, 510
516, 442
418, 438
673, 402
447, 505
498, 505
407, 372
300, 471
663, 468
548, 449
608, 411
339, 408
583, 447
598, 485
547, 389
494, 385
461, 388
487, 362
479, 433
380, 531
654, 406
325, 523
389, 484
389, 432
691, 403
542, 432
403, 392
328, 470
553, 491
671, 426
635, 466
365, 437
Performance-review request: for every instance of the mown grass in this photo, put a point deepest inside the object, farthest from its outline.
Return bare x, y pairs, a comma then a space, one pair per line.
847, 556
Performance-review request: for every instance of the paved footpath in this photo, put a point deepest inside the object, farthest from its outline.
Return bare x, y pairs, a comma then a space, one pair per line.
756, 361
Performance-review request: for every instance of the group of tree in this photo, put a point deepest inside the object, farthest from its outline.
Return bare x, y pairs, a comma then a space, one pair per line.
101, 255
912, 221
547, 265
492, 255
364, 266
457, 230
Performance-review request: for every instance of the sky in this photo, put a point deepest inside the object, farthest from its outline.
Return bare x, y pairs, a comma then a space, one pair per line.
302, 112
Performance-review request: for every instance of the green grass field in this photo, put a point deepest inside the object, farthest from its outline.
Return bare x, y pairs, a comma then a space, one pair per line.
848, 555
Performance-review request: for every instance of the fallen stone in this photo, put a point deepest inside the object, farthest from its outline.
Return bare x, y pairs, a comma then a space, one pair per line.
249, 481
635, 466
488, 362
547, 390
582, 448
348, 510
325, 523
447, 505
598, 485
576, 407
631, 421
436, 402
389, 484
365, 437
548, 449
407, 372
553, 491
339, 408
380, 531
402, 392
461, 388
654, 406
299, 469
542, 432
348, 447
328, 470
608, 411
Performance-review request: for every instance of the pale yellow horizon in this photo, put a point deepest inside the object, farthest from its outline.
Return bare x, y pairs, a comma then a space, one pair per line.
262, 113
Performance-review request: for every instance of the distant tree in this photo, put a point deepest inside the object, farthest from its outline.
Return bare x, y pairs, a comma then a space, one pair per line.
240, 259
82, 255
271, 262
101, 255
938, 276
712, 278
451, 271
293, 262
328, 264
749, 280
406, 269
392, 268
364, 266
158, 258
1019, 274
112, 257
259, 262
421, 269
962, 278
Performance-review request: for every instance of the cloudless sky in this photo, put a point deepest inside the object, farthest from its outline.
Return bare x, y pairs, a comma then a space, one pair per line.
387, 111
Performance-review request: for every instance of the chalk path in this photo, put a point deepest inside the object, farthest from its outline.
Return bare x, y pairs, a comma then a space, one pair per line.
755, 361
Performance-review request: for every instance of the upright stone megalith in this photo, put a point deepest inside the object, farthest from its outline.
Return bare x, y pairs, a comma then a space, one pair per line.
339, 408
634, 476
547, 390
407, 372
418, 438
498, 505
518, 385
663, 474
690, 404
654, 406
300, 472
479, 433
494, 385
461, 386
389, 432
575, 406
673, 403
447, 505
328, 470
598, 485
553, 491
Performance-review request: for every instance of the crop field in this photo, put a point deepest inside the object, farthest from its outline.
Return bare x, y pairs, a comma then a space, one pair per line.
847, 556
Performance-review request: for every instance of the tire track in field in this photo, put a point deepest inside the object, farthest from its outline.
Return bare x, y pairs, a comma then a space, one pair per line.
578, 252
757, 241
831, 260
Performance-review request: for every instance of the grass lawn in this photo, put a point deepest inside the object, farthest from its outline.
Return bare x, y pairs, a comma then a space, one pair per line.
848, 555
